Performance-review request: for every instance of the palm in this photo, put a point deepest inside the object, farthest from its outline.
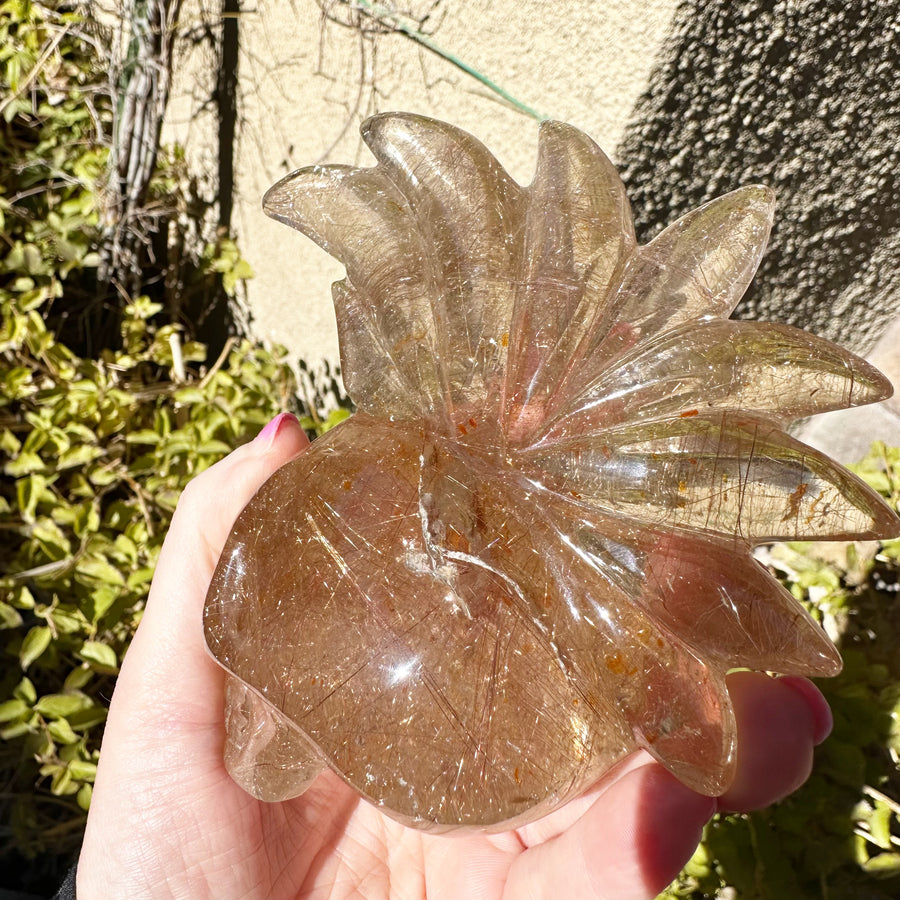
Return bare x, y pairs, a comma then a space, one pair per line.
355, 851
326, 843
329, 843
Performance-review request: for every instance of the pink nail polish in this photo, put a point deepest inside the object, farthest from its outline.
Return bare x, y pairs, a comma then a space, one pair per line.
818, 705
267, 436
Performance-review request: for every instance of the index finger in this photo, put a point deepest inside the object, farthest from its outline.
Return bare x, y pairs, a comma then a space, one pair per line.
170, 636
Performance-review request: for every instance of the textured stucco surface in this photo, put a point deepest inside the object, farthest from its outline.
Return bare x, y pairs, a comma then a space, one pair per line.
800, 95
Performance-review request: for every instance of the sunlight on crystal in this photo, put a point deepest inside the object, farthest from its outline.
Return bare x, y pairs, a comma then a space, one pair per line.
530, 551
236, 562
400, 672
581, 735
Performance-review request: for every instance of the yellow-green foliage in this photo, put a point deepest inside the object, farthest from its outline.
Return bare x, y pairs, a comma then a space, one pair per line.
93, 451
96, 455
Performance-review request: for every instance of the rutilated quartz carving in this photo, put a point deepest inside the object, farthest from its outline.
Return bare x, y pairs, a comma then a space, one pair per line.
529, 551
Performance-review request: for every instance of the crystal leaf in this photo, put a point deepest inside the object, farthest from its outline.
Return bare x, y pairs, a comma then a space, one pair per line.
530, 551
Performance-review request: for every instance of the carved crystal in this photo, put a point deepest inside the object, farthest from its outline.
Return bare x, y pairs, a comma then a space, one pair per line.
530, 551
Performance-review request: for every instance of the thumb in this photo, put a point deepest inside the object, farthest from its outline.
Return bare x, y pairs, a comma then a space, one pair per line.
169, 650
163, 737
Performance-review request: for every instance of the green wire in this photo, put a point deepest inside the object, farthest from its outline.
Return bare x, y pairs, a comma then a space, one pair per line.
379, 13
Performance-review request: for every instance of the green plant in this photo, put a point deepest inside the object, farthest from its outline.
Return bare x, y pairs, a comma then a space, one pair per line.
839, 836
95, 447
98, 452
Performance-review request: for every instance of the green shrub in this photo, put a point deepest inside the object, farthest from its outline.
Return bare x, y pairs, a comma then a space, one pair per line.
97, 453
94, 448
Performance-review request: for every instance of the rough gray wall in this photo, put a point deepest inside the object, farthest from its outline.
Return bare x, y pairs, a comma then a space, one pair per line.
802, 95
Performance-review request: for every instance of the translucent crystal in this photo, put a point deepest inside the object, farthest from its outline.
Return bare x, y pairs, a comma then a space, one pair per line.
530, 551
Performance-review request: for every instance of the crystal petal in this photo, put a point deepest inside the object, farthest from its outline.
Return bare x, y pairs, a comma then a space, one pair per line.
470, 215
265, 753
715, 471
742, 617
752, 366
699, 266
674, 703
578, 234
359, 217
370, 373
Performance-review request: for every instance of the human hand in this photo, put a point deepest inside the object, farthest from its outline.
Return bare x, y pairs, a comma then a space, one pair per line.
166, 819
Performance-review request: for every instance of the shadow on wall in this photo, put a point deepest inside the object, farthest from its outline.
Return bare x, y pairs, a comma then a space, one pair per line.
800, 95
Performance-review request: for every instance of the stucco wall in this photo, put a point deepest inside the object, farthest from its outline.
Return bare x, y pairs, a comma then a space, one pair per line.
801, 96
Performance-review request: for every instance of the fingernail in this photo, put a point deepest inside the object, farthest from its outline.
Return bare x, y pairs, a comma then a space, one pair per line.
267, 436
823, 721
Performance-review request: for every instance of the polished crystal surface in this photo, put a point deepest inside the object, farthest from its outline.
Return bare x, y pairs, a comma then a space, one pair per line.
530, 551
